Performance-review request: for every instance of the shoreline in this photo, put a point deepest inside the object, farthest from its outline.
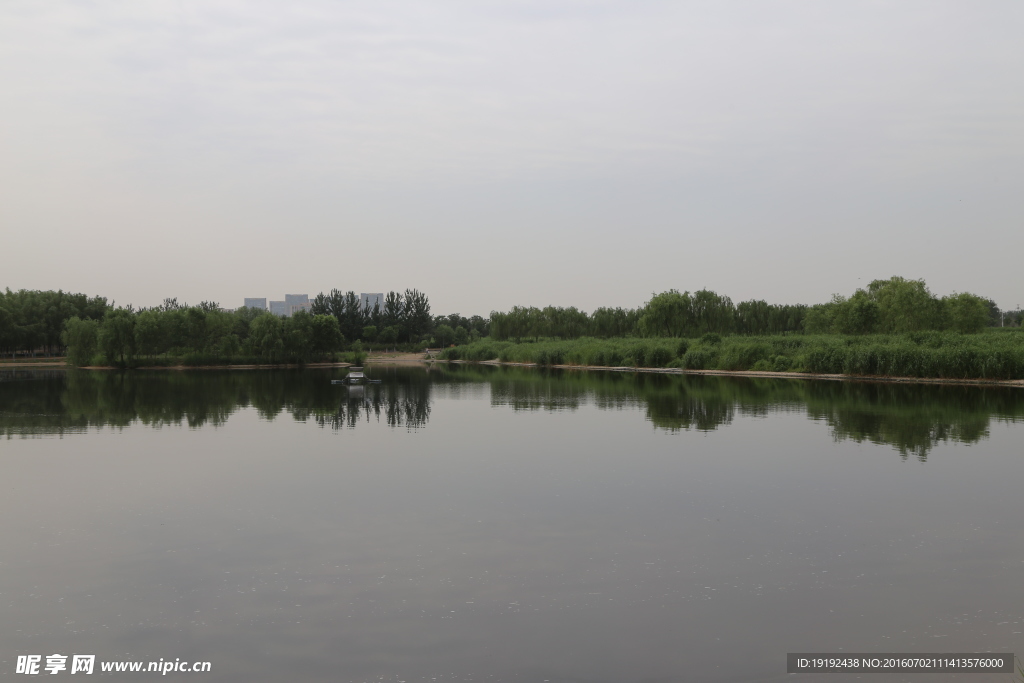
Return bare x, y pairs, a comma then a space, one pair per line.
759, 373
382, 360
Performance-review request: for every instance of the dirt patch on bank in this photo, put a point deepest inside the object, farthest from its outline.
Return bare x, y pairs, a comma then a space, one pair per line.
388, 356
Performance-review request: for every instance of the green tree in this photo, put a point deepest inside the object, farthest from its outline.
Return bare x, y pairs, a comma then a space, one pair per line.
298, 335
712, 312
81, 338
669, 314
416, 310
195, 323
117, 336
818, 319
965, 312
444, 335
265, 337
327, 337
904, 305
352, 320
148, 333
389, 335
857, 315
391, 315
175, 325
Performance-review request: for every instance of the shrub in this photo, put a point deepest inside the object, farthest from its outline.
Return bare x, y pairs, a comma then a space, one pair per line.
781, 364
711, 339
742, 356
659, 357
700, 358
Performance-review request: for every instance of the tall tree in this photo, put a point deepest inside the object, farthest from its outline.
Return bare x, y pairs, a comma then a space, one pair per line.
117, 336
417, 314
352, 322
80, 337
904, 305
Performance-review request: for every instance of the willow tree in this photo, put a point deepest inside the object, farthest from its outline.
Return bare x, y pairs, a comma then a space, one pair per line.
81, 339
904, 305
117, 336
965, 312
669, 314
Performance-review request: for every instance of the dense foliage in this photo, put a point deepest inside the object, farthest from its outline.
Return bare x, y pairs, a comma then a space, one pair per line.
899, 305
34, 320
403, 318
886, 306
89, 330
200, 335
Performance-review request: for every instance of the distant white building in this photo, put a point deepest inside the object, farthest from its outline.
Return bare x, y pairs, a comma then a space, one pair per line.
261, 304
306, 306
292, 299
368, 301
278, 308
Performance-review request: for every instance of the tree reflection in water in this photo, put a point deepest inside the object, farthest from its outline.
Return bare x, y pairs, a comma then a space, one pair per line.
913, 418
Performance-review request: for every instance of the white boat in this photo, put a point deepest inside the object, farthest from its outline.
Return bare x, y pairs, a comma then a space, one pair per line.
355, 378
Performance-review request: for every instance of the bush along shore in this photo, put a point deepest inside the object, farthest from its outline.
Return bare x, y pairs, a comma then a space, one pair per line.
991, 355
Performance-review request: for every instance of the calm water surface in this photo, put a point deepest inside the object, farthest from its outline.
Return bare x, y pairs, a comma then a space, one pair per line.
481, 524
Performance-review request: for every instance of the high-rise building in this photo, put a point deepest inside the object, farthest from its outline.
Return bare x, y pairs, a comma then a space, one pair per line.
368, 301
292, 304
256, 303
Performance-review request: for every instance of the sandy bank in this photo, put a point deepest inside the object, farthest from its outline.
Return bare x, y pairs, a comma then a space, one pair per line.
768, 374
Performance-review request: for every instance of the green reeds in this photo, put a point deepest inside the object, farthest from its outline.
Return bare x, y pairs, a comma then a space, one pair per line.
921, 354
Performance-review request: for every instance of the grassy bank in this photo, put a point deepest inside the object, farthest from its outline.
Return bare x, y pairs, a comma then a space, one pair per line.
987, 355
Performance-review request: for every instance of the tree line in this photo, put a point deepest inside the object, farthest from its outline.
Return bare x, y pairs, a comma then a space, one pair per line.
899, 305
895, 305
205, 333
33, 320
403, 318
199, 334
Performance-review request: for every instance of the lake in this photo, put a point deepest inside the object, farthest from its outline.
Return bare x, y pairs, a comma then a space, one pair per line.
472, 523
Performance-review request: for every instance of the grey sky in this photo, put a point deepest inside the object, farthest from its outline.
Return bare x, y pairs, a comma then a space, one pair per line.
501, 153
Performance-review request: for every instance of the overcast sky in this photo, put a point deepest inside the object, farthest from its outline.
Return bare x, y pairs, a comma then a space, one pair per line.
500, 153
